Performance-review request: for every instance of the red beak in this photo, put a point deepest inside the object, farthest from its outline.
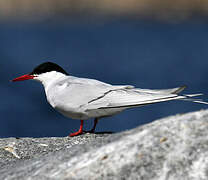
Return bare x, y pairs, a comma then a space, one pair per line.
24, 77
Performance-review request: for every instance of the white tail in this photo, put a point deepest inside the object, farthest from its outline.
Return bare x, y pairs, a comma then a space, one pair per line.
188, 98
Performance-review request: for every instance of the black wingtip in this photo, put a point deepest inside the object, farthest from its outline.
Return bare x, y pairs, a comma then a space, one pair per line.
180, 89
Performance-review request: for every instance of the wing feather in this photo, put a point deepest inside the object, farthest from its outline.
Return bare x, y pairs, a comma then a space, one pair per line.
162, 91
126, 98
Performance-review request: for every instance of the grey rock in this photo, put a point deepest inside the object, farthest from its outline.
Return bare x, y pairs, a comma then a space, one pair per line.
172, 148
17, 149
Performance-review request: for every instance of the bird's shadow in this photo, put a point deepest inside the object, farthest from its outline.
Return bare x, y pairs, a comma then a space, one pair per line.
103, 132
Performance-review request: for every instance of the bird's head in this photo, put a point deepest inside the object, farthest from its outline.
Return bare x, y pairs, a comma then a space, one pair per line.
43, 72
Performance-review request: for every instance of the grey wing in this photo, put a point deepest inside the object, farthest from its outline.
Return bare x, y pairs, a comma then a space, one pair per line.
128, 97
77, 95
162, 91
79, 92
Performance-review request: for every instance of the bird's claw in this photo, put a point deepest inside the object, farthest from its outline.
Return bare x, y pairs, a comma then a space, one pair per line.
76, 133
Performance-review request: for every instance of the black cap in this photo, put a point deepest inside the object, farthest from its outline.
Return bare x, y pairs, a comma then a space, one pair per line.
48, 67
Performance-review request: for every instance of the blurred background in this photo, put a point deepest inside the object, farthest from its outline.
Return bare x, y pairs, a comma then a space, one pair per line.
146, 43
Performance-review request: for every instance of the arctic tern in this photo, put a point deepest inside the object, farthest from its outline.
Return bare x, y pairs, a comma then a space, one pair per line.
83, 98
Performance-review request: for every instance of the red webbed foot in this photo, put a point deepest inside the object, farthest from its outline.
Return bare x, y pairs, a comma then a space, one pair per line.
78, 132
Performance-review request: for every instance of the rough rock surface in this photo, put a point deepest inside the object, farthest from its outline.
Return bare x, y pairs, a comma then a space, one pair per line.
172, 148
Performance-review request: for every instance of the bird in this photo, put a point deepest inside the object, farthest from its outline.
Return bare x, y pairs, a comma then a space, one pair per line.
84, 98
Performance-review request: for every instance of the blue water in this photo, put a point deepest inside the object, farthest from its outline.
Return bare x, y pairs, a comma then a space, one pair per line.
144, 54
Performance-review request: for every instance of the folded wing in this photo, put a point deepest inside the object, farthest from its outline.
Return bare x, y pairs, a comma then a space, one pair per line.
129, 97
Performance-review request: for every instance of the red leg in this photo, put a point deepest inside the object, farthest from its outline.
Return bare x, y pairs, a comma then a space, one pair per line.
78, 132
94, 126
